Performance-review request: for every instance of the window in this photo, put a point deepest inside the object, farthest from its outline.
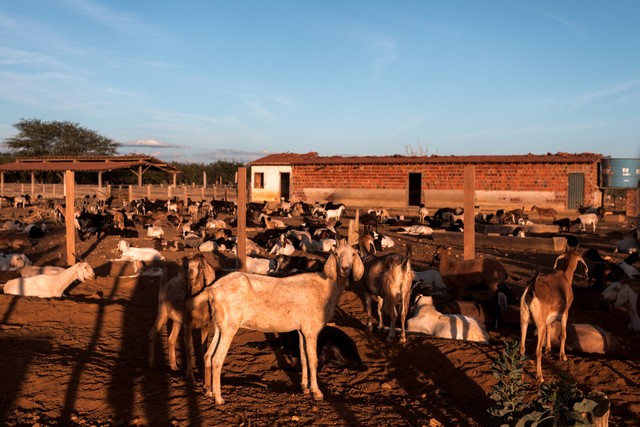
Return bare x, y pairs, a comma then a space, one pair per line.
625, 172
258, 180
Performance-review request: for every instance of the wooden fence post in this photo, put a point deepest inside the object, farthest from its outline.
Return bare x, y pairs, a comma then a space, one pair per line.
469, 212
70, 190
242, 219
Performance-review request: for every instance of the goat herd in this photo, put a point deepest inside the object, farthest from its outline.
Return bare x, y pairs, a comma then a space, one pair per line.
294, 277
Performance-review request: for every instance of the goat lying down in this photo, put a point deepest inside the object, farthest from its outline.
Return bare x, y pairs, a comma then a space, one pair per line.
336, 349
586, 338
427, 320
621, 295
304, 302
49, 285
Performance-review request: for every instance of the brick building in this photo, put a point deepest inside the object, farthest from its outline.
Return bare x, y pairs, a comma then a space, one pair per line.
559, 180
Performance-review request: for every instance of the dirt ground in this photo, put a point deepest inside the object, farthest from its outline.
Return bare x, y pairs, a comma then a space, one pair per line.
81, 359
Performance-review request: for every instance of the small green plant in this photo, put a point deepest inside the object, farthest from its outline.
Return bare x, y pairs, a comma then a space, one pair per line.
510, 391
559, 403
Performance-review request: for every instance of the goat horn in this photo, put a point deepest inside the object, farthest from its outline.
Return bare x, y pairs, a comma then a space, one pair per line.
78, 258
555, 264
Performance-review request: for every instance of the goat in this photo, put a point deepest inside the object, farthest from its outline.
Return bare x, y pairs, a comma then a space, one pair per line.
49, 285
586, 338
460, 275
422, 213
586, 219
381, 214
416, 230
130, 253
545, 212
288, 265
335, 349
260, 266
155, 231
621, 295
564, 224
381, 241
627, 265
546, 300
389, 279
334, 213
312, 245
370, 222
429, 279
304, 303
282, 247
181, 299
427, 320
12, 262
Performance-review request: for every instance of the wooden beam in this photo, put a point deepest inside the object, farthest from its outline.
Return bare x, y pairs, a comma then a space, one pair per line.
469, 212
100, 179
242, 219
33, 185
140, 176
69, 215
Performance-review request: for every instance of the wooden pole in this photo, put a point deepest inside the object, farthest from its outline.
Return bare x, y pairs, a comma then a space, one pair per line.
130, 193
69, 216
242, 219
204, 179
2, 183
33, 185
100, 179
174, 178
469, 212
149, 191
140, 176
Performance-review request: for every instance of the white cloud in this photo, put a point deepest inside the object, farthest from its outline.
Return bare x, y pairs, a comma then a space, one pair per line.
152, 143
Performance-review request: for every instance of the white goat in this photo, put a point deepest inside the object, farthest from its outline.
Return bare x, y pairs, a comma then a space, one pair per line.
181, 298
260, 266
547, 300
416, 230
12, 262
304, 302
155, 232
282, 247
388, 278
627, 265
312, 245
49, 285
35, 270
334, 213
621, 295
430, 278
586, 219
423, 213
427, 320
130, 253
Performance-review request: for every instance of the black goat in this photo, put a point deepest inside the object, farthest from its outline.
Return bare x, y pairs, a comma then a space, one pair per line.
287, 265
564, 224
336, 349
89, 224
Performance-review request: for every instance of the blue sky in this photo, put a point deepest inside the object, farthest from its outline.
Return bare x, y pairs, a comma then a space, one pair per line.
235, 80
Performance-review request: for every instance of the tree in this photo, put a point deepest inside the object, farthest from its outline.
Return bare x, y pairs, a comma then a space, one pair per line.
36, 138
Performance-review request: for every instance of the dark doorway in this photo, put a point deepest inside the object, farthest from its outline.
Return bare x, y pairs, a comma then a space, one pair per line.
576, 190
415, 189
284, 185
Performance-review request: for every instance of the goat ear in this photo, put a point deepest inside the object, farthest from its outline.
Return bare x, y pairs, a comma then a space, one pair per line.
357, 269
331, 267
623, 297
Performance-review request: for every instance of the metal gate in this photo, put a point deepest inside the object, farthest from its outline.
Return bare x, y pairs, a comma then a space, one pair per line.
576, 190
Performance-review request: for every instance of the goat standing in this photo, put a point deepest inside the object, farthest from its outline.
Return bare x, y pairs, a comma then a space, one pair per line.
547, 300
304, 302
389, 279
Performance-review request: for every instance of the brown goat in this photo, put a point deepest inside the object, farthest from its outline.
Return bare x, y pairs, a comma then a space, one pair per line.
548, 212
181, 299
547, 300
460, 275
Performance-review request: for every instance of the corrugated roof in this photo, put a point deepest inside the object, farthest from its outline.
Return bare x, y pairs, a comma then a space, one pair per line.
312, 158
84, 163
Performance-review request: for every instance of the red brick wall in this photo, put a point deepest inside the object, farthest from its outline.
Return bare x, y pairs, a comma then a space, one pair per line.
633, 208
543, 177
